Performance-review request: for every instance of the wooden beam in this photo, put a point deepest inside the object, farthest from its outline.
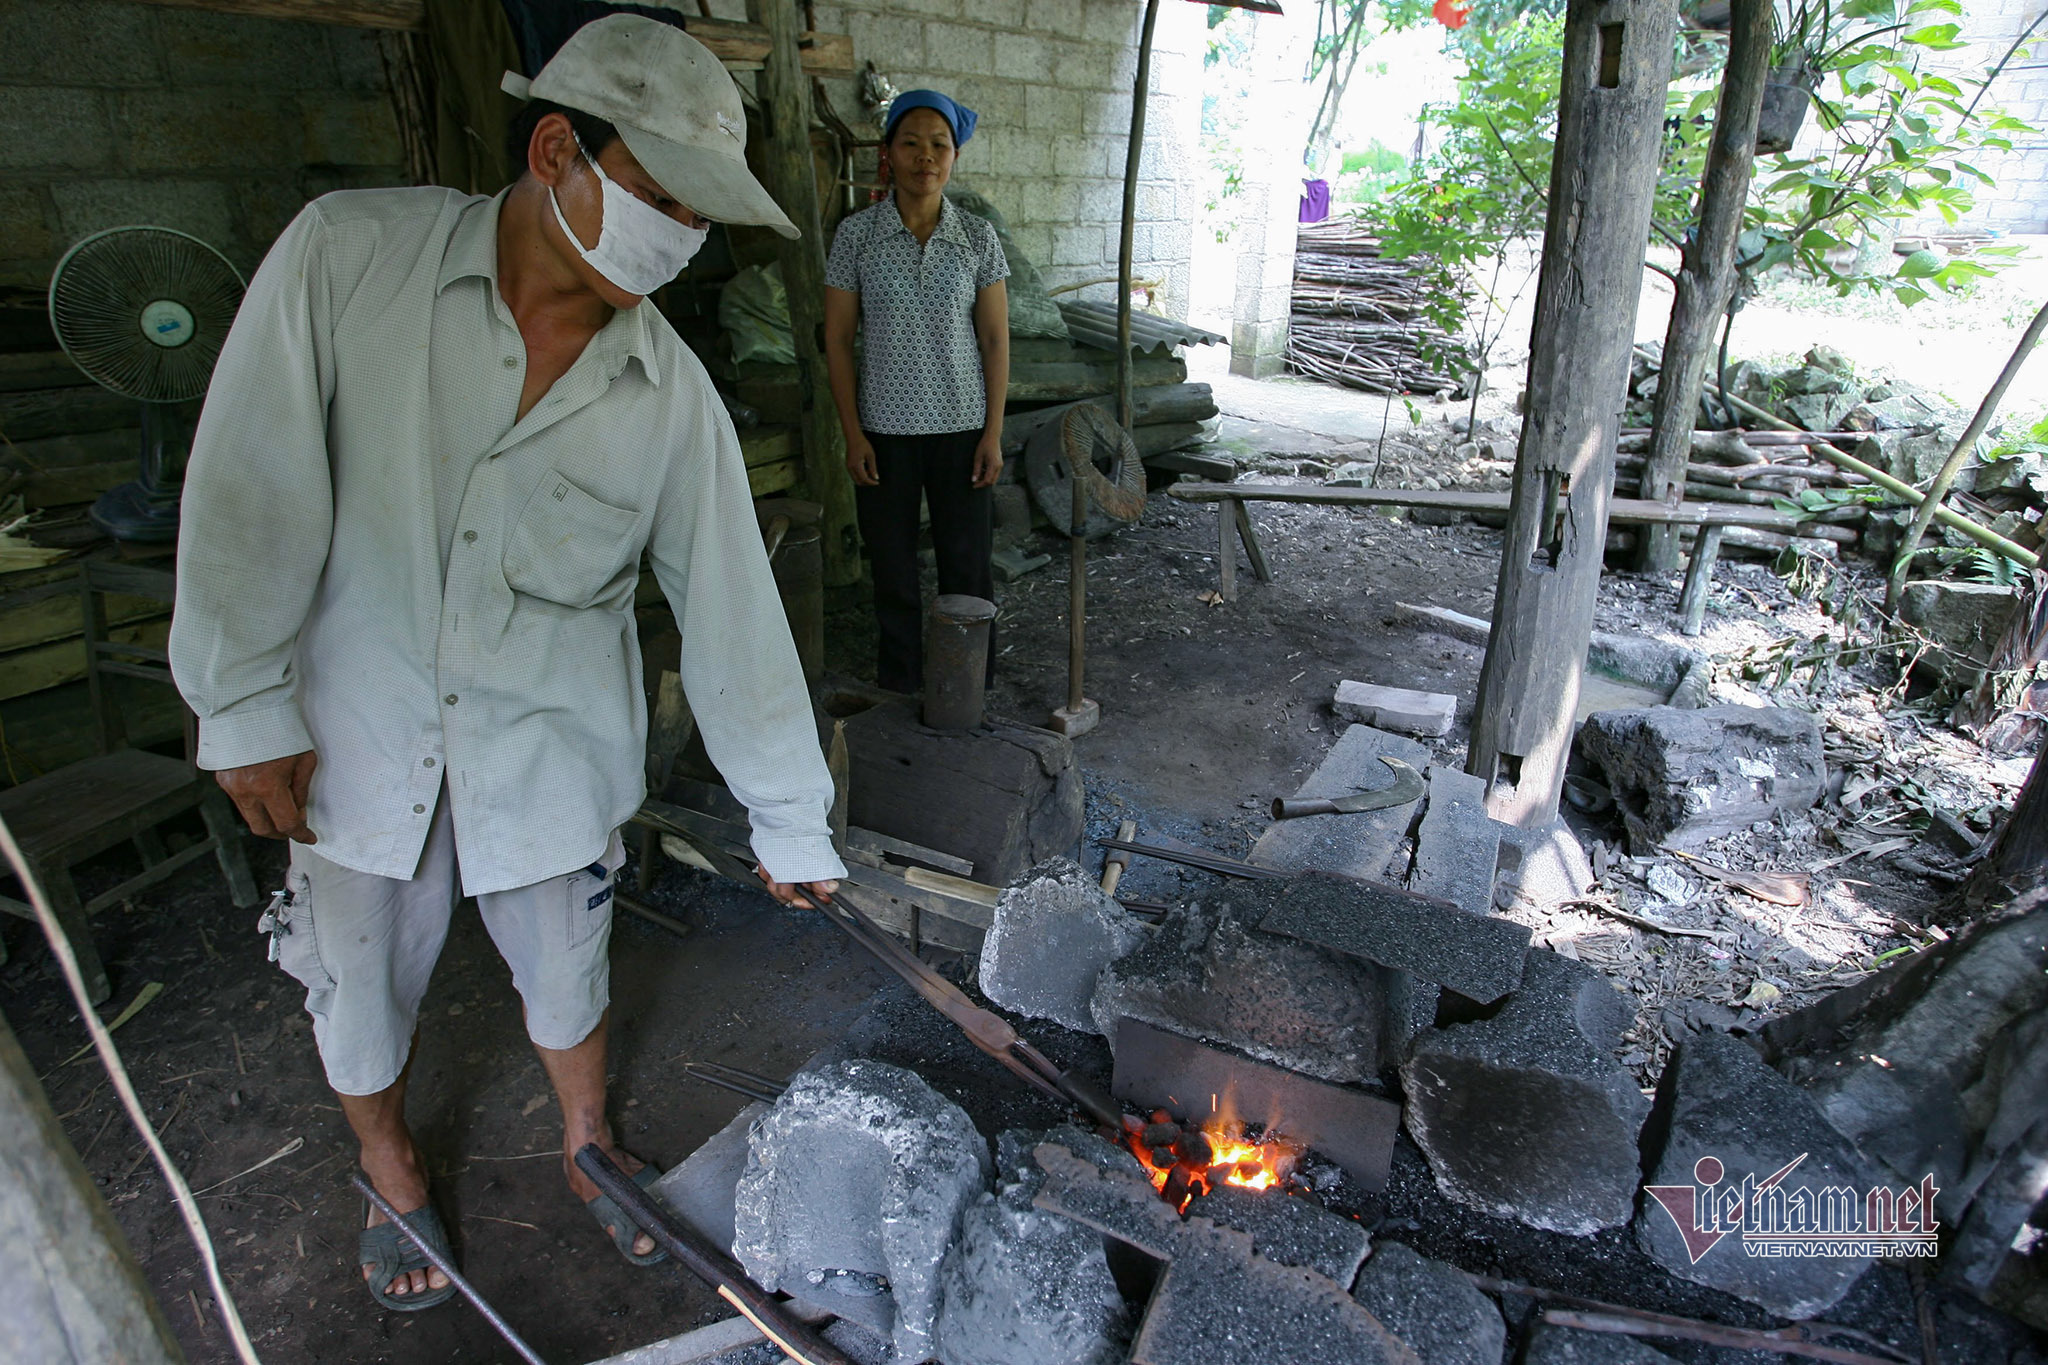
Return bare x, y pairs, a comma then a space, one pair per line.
740, 46
1635, 511
1617, 64
791, 176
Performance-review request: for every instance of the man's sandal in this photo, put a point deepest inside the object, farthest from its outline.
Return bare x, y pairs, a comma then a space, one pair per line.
390, 1253
623, 1230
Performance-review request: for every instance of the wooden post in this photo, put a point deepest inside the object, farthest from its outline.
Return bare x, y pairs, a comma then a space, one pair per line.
1706, 276
1133, 153
1617, 60
1226, 548
785, 94
74, 1293
1699, 578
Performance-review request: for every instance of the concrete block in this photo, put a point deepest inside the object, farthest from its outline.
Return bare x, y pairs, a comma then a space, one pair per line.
1217, 1300
701, 1189
244, 52
1681, 777
1545, 866
1478, 956
24, 224
1723, 1116
358, 65
1026, 1287
1053, 932
60, 128
1550, 1345
1432, 1307
1526, 1115
1457, 846
1355, 845
77, 43
1064, 17
342, 131
200, 207
901, 39
1024, 57
959, 50
1400, 709
855, 1181
1076, 245
1208, 973
178, 131
1288, 1230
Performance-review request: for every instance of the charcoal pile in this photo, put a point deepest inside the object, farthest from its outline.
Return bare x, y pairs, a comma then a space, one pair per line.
1358, 318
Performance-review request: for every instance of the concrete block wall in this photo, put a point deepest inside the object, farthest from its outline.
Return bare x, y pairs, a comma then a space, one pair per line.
222, 126
1051, 80
2019, 201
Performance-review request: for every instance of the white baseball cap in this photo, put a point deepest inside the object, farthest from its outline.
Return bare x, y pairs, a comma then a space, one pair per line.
674, 105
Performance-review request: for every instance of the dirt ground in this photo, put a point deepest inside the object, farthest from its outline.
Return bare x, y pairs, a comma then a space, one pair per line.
1208, 711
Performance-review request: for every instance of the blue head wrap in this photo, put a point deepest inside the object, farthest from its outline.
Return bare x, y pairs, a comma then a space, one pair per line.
959, 115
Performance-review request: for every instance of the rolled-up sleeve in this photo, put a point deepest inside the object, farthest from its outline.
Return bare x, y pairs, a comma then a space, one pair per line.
258, 510
740, 668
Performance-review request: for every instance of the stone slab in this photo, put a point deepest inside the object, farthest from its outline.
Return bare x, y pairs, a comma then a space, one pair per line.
1722, 1113
700, 1189
1526, 1115
1288, 1230
1400, 709
1053, 932
1432, 1307
1356, 845
1478, 956
1965, 619
1218, 1299
1156, 1069
1550, 1345
1208, 972
1457, 848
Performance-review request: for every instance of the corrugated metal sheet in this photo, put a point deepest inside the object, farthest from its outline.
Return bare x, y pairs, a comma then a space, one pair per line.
1094, 324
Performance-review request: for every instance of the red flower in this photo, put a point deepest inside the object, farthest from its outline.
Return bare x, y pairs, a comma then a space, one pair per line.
1451, 14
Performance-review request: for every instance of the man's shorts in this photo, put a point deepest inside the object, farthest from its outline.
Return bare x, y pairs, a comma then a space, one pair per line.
364, 946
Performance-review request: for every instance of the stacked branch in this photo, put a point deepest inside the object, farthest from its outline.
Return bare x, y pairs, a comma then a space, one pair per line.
1358, 318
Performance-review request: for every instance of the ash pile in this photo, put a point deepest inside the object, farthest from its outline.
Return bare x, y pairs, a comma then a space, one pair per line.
1368, 1120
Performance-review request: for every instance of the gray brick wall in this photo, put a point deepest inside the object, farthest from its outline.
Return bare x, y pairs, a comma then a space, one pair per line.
1051, 80
2019, 201
217, 125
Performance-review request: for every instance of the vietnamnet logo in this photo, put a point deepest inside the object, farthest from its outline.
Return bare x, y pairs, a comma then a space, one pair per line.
1772, 1221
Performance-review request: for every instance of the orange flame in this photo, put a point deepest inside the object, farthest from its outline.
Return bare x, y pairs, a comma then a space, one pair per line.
1234, 1161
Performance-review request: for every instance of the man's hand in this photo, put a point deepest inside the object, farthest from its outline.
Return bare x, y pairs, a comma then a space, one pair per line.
988, 460
272, 795
794, 893
860, 460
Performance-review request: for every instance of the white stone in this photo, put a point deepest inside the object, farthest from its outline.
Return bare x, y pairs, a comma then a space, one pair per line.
1429, 714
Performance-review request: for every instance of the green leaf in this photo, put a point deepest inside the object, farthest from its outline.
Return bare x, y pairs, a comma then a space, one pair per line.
1937, 37
1920, 265
1908, 295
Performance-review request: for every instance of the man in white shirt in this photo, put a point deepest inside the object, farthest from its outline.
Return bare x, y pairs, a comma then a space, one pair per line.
441, 434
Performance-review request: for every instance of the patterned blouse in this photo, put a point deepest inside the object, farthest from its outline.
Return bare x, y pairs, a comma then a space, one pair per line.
920, 368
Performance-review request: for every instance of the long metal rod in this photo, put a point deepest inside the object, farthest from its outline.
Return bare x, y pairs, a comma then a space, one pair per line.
1134, 152
447, 1267
1208, 862
1077, 594
704, 1260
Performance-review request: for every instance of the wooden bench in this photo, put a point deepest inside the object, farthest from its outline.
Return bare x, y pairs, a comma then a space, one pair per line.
1711, 518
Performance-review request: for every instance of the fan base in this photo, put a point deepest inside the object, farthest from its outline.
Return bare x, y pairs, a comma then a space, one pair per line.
139, 511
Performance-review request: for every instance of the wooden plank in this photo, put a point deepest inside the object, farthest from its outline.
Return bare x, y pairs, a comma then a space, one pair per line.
43, 731
75, 484
35, 413
779, 477
768, 444
72, 450
50, 369
376, 14
56, 617
31, 670
1634, 510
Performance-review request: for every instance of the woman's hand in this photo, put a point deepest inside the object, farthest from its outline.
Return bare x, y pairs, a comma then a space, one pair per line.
860, 460
988, 459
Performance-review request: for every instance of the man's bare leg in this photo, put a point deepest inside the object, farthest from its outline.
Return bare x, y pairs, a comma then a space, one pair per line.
578, 1077
393, 1166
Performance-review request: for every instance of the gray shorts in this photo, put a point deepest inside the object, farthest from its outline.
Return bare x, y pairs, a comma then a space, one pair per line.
363, 946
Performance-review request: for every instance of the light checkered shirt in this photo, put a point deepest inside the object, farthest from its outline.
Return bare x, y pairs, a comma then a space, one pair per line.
378, 564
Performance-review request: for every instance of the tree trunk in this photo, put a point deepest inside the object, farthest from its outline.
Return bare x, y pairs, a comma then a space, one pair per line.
2018, 860
792, 178
1706, 278
1617, 61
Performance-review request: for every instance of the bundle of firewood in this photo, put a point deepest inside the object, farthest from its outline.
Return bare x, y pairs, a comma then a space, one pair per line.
1357, 318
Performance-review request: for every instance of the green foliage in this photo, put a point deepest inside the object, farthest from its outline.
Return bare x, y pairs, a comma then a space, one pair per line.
1366, 175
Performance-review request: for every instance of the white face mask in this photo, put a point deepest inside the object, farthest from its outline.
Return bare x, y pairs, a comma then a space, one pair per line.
639, 248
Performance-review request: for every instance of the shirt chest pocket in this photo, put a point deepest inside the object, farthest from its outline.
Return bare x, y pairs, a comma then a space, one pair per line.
570, 548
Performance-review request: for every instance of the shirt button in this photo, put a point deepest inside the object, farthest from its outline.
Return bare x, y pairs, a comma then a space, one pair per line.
511, 362
450, 699
430, 763
469, 536
419, 810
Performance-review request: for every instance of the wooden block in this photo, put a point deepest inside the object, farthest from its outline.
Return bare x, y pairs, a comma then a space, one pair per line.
76, 484
778, 477
31, 670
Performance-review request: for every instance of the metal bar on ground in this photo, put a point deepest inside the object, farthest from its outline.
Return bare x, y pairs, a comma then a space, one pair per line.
447, 1267
707, 1263
1208, 862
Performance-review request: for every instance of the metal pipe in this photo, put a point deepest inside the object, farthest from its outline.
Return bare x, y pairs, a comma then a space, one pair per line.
956, 661
1208, 862
1133, 153
1077, 590
446, 1267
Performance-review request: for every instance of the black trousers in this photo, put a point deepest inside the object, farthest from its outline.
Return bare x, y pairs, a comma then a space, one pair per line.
940, 469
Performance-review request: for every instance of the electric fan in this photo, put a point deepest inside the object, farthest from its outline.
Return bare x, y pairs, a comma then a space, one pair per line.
143, 311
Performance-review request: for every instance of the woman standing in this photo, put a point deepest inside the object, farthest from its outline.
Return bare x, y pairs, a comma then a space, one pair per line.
922, 280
